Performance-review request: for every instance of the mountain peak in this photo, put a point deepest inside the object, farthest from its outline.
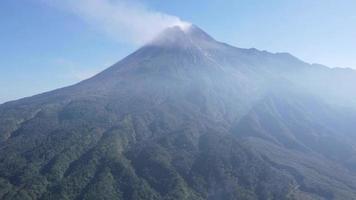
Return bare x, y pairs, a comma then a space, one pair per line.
184, 26
182, 35
196, 32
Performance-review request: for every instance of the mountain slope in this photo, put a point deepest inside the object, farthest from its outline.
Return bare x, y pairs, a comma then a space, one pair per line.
186, 117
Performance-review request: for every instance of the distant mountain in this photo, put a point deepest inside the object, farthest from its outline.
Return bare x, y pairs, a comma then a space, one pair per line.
186, 117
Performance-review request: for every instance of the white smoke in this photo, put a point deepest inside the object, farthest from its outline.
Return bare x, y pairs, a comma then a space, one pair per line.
123, 20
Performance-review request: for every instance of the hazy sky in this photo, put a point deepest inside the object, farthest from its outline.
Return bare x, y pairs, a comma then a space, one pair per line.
47, 44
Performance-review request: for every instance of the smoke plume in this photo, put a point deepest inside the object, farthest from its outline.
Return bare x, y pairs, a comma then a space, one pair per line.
125, 21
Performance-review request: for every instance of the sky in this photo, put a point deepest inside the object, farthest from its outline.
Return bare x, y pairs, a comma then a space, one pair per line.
48, 44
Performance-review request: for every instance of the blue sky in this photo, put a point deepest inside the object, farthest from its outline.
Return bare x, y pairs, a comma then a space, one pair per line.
46, 45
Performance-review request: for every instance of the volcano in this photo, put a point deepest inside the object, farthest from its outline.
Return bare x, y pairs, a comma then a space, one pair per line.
186, 117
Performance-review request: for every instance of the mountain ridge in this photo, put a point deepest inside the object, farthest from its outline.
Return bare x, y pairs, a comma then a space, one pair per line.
197, 29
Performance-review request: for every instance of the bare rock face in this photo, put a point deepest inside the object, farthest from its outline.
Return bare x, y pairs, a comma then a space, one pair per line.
186, 117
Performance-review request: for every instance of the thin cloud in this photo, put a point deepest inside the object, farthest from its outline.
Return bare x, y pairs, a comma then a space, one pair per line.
123, 20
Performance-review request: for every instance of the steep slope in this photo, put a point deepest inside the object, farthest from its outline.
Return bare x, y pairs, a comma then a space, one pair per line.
184, 117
